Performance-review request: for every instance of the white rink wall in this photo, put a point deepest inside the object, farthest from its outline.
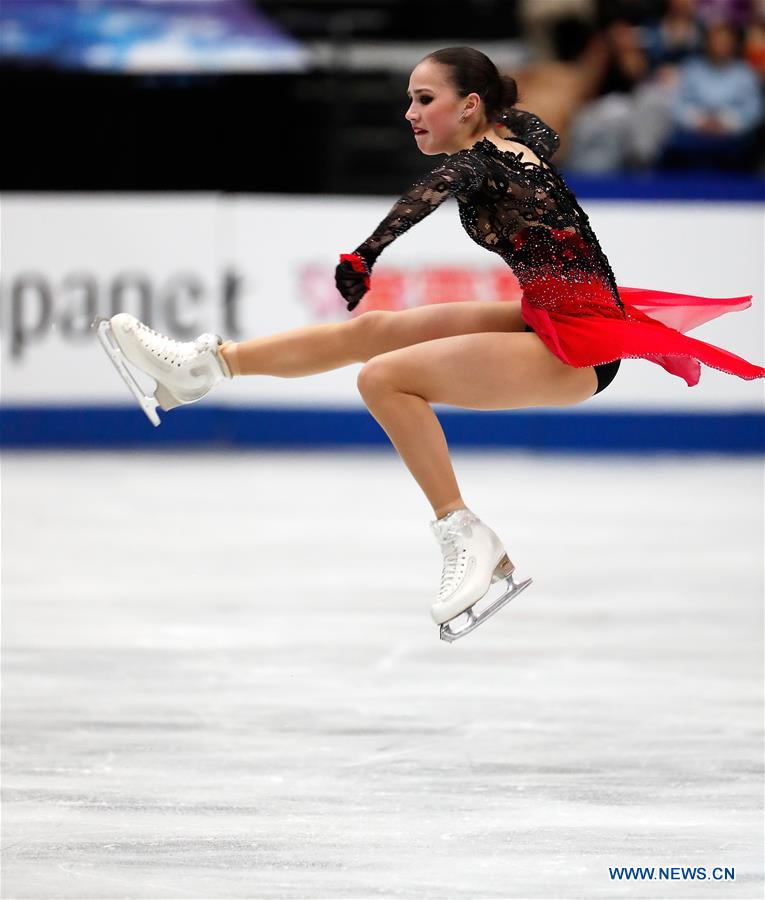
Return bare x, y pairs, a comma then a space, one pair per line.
244, 266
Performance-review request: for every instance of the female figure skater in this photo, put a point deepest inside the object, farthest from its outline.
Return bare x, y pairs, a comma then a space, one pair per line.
559, 345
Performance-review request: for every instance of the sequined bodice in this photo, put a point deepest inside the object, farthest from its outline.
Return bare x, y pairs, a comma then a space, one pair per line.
523, 211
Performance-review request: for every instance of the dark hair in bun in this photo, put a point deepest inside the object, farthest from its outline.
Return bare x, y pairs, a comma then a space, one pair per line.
473, 72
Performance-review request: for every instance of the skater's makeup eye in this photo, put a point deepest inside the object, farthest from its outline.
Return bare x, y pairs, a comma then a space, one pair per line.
425, 98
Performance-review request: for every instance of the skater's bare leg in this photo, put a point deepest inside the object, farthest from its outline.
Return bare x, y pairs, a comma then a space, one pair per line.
319, 348
473, 371
417, 435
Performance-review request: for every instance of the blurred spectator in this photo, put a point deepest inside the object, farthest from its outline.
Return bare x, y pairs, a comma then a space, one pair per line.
734, 12
552, 83
556, 29
635, 12
717, 108
685, 109
670, 40
754, 45
674, 36
617, 64
754, 54
621, 60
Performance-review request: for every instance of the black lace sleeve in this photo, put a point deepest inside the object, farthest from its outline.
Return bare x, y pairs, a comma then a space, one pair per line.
531, 129
460, 173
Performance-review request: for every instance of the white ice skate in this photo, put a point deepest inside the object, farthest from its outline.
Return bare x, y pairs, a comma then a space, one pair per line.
474, 559
184, 370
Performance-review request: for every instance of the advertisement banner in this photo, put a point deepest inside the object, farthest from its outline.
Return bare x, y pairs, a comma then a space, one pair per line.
250, 266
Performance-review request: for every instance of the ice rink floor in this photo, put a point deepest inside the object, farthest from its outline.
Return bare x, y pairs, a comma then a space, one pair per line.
221, 680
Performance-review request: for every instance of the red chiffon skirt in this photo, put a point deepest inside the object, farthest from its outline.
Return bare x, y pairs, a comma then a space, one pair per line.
594, 331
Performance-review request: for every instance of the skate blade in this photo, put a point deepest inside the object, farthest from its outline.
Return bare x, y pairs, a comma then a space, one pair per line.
105, 335
450, 634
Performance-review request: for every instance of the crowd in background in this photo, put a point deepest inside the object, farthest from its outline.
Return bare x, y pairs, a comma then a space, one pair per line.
631, 87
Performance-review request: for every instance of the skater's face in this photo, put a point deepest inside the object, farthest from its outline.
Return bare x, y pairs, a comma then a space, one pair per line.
435, 109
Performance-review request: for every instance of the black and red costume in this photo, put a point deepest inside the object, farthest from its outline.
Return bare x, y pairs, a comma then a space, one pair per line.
525, 212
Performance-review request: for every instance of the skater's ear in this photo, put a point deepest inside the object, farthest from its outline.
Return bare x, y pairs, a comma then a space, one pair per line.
472, 104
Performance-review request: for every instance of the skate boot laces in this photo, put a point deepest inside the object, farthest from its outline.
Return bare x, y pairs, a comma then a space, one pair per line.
175, 353
450, 533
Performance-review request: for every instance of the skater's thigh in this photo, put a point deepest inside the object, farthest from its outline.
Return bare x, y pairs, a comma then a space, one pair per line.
380, 331
481, 371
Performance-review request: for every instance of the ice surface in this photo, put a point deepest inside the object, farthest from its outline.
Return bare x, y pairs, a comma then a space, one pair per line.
221, 679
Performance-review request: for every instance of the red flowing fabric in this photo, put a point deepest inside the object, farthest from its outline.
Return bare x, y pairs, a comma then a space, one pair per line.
594, 331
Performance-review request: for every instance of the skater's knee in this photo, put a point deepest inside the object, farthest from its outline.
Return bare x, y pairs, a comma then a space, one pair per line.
374, 378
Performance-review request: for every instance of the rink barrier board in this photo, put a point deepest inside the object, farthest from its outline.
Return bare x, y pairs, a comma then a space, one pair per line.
666, 186
211, 427
211, 263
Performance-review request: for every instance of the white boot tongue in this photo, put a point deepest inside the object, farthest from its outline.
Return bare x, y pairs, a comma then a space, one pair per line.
452, 522
459, 514
207, 342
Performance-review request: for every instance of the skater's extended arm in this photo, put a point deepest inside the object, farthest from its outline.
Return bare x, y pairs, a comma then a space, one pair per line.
460, 173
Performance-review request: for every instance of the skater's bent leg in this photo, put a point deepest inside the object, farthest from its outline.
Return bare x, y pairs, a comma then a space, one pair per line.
476, 371
416, 433
319, 348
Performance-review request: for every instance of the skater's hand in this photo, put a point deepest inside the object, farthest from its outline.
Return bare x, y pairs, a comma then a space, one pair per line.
352, 278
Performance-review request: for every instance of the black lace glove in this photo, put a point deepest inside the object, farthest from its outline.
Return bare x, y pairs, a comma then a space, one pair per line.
352, 278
